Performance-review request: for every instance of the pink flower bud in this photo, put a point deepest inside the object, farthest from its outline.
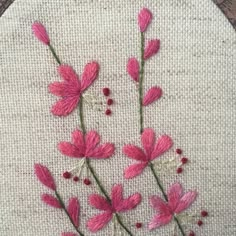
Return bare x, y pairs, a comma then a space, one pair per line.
133, 68
50, 200
144, 19
40, 33
152, 95
152, 48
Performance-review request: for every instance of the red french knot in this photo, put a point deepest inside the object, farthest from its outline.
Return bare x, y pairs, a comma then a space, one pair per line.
67, 175
108, 112
106, 92
204, 213
200, 223
87, 182
76, 178
191, 233
138, 225
179, 151
184, 160
179, 170
109, 101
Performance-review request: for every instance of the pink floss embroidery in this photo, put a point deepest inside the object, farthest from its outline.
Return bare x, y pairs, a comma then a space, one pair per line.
133, 68
177, 203
152, 95
144, 19
71, 88
152, 48
44, 176
74, 210
50, 200
40, 33
151, 152
117, 204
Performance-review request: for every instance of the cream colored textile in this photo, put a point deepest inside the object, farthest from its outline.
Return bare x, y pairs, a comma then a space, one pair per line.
195, 68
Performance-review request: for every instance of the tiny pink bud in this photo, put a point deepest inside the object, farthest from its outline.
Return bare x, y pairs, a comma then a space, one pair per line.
152, 48
40, 33
50, 200
152, 95
144, 19
133, 68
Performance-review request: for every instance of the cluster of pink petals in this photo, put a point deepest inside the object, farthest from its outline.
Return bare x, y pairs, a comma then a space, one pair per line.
86, 145
152, 150
144, 19
177, 203
71, 88
40, 33
117, 204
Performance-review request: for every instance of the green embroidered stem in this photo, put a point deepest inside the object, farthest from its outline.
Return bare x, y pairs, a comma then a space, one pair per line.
81, 115
141, 77
64, 208
122, 225
97, 180
54, 54
164, 195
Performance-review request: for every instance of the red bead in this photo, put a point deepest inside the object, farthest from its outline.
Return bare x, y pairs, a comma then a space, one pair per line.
191, 233
204, 213
178, 151
184, 160
179, 170
106, 92
76, 178
109, 102
138, 225
200, 223
108, 112
87, 181
67, 175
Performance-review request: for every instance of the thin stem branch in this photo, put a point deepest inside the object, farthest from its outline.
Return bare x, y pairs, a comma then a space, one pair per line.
54, 54
81, 115
151, 165
122, 225
64, 208
141, 77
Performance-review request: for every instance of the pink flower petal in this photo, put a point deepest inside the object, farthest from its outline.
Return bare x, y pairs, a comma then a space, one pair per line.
70, 150
134, 152
57, 88
144, 19
134, 170
175, 192
148, 139
164, 143
50, 200
129, 203
92, 139
40, 33
74, 210
133, 68
98, 222
103, 151
159, 220
152, 95
68, 234
116, 195
89, 75
160, 205
44, 176
78, 140
186, 201
65, 106
99, 202
67, 73
152, 48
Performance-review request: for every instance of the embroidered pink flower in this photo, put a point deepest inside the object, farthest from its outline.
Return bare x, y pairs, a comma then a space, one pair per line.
117, 204
151, 152
144, 19
71, 88
177, 203
40, 33
86, 146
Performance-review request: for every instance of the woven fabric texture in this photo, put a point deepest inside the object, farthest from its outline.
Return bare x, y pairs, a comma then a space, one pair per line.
195, 68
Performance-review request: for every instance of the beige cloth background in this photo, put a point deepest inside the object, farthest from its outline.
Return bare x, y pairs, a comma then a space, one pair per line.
195, 68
